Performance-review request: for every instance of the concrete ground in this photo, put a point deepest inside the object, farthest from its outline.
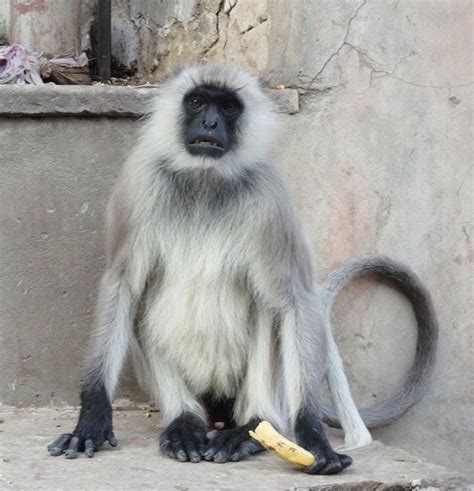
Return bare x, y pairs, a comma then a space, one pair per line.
137, 463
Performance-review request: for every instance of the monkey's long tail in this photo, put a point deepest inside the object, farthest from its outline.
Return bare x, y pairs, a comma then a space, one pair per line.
409, 284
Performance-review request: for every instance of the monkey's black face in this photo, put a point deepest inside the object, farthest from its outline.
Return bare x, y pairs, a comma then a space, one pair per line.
211, 119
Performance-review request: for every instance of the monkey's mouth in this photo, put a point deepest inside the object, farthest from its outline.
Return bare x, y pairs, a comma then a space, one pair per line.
205, 142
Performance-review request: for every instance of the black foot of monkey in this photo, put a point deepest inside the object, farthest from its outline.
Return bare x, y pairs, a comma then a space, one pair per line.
232, 445
310, 435
184, 438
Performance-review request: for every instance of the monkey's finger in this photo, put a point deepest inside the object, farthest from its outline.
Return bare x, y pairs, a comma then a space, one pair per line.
194, 456
178, 451
57, 447
317, 466
192, 449
332, 468
246, 448
249, 447
89, 448
210, 452
165, 447
222, 457
112, 439
58, 441
71, 452
181, 456
346, 461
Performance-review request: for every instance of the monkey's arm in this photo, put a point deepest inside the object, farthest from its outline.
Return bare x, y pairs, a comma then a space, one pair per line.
129, 260
105, 359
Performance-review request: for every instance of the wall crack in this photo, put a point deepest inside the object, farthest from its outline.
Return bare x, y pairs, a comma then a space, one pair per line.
344, 42
220, 10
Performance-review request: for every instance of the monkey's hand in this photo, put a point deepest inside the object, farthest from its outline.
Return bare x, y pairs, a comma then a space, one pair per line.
93, 429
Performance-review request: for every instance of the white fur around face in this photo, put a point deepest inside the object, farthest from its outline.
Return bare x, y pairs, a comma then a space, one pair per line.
256, 129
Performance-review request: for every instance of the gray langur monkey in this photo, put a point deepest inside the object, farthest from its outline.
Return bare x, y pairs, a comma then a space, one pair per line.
209, 285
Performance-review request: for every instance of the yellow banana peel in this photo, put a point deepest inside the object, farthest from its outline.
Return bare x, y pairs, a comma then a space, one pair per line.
278, 444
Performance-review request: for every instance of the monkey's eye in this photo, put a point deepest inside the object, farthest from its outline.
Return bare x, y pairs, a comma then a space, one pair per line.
230, 108
195, 103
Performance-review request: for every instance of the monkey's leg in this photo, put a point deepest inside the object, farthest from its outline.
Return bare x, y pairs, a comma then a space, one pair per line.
310, 435
302, 347
115, 314
184, 435
256, 398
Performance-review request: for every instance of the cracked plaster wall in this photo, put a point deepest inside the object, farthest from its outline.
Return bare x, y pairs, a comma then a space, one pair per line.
157, 37
4, 18
379, 156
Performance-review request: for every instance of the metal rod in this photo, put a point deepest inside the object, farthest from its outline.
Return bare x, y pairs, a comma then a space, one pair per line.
103, 37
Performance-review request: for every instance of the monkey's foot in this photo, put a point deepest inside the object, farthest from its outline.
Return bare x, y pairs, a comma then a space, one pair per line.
232, 445
184, 438
72, 443
328, 464
327, 460
310, 435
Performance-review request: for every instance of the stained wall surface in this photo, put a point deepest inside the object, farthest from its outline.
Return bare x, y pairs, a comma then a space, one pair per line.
380, 160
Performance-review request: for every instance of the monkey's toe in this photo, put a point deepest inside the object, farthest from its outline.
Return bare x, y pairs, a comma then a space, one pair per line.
329, 465
184, 439
231, 445
70, 444
59, 445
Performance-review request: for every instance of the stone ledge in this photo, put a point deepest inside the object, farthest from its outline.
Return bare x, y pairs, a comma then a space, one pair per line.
17, 101
137, 463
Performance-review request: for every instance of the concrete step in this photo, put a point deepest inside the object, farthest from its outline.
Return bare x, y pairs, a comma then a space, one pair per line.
137, 464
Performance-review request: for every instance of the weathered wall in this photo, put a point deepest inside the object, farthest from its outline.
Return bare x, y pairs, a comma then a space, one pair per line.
46, 25
156, 37
51, 26
4, 18
380, 157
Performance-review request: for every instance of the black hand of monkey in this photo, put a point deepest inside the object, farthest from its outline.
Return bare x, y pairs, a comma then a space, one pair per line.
232, 445
91, 432
310, 435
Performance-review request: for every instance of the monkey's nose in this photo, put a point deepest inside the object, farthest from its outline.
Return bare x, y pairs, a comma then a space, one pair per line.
209, 125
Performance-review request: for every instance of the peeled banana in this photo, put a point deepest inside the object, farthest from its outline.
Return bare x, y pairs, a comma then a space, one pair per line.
273, 441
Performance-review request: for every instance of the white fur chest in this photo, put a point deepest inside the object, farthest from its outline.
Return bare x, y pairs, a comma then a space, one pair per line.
198, 316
